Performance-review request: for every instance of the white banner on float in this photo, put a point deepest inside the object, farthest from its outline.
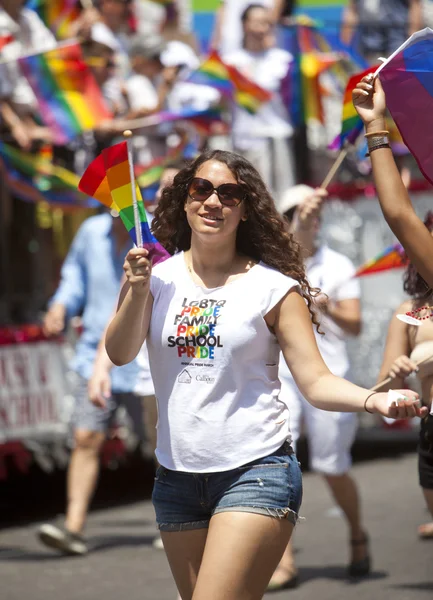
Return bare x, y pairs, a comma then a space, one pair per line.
33, 386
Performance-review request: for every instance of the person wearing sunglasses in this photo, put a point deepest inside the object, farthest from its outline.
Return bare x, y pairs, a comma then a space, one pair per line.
215, 316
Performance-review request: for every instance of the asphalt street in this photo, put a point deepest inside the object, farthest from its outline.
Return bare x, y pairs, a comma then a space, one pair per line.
123, 564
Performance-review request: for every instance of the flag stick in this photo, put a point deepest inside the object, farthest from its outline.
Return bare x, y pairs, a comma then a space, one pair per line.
137, 221
336, 165
389, 379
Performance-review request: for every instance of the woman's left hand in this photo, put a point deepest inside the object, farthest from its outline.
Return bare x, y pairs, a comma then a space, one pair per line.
407, 407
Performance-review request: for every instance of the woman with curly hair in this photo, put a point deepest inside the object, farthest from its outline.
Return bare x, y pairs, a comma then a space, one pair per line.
406, 347
215, 316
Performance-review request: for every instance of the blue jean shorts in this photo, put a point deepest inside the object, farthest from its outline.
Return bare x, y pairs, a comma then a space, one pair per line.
269, 486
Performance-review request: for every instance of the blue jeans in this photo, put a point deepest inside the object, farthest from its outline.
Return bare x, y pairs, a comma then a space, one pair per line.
269, 486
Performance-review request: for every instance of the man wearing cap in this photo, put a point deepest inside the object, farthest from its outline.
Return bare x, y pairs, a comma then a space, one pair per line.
330, 435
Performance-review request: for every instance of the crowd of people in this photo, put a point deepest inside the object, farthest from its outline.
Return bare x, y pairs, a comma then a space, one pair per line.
224, 352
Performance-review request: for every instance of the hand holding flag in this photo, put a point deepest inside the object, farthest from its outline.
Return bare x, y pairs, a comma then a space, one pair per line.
108, 179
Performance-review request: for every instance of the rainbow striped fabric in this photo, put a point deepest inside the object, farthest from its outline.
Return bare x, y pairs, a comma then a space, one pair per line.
58, 15
351, 123
231, 83
34, 178
392, 257
69, 98
108, 180
407, 78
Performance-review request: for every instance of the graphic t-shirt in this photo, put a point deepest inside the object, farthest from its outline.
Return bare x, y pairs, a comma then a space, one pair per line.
214, 364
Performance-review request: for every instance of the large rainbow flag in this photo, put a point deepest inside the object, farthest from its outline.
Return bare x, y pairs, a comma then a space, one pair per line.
407, 78
392, 257
69, 98
58, 15
108, 180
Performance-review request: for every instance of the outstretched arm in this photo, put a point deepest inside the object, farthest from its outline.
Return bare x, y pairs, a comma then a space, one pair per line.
369, 101
291, 322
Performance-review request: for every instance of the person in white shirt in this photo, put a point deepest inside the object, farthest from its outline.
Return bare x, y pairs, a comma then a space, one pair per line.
215, 316
18, 105
330, 435
264, 138
228, 34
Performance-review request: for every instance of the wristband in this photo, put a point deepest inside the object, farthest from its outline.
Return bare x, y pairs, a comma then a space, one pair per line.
365, 403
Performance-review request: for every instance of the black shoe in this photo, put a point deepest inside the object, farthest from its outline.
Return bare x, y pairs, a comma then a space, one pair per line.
62, 539
360, 568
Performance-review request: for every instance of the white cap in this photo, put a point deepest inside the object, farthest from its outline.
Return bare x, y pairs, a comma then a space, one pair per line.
179, 54
103, 35
294, 196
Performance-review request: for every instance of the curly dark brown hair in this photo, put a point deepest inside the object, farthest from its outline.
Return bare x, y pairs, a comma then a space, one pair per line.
413, 283
262, 237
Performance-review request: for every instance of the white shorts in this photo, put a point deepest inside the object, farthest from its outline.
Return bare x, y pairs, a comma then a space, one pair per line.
330, 435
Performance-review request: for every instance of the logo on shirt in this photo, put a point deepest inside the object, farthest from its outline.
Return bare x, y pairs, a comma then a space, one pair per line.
196, 329
184, 377
205, 378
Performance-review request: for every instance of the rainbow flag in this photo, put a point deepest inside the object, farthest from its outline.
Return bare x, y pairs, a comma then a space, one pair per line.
34, 178
58, 15
108, 180
213, 72
392, 257
351, 123
407, 78
69, 98
312, 66
230, 82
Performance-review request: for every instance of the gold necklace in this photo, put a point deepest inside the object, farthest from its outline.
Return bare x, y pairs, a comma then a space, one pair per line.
194, 274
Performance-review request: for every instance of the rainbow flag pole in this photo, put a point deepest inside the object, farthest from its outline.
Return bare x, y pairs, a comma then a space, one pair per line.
128, 135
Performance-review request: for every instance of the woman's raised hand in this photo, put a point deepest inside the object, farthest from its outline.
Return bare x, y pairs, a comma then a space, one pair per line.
138, 270
407, 407
369, 99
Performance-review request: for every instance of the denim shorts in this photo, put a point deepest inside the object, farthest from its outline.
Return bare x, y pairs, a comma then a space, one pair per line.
269, 486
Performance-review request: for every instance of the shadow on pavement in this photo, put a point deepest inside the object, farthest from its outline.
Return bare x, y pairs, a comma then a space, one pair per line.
125, 523
101, 543
425, 586
337, 572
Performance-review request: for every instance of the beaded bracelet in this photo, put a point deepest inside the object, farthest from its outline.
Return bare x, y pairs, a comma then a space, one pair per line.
365, 403
377, 148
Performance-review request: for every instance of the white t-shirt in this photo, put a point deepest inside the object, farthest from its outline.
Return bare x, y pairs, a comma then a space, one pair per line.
29, 36
333, 273
267, 69
214, 365
232, 33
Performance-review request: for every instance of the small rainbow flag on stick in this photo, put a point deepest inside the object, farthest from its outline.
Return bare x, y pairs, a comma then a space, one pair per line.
392, 257
352, 125
108, 180
69, 98
230, 82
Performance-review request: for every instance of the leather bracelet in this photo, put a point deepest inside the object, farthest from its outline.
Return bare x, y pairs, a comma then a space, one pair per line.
365, 403
377, 148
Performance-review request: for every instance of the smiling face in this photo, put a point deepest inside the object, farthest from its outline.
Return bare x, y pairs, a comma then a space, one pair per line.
209, 219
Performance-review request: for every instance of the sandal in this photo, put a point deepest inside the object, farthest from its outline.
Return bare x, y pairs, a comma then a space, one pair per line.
285, 584
425, 531
360, 568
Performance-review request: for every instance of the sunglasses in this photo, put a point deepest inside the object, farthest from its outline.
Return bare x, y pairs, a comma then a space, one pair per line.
229, 194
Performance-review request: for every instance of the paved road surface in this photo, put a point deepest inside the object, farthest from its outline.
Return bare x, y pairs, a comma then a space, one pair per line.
124, 566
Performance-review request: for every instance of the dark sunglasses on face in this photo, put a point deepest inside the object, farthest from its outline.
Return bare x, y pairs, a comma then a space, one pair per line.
229, 194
